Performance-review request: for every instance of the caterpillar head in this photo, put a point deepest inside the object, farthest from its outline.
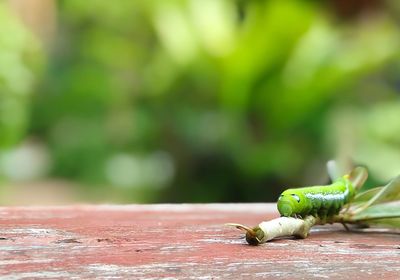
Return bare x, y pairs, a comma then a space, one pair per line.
290, 203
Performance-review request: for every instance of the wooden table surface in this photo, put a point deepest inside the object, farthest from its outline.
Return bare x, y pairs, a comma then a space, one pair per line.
180, 242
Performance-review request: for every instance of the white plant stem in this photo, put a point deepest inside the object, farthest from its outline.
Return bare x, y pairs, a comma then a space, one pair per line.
286, 226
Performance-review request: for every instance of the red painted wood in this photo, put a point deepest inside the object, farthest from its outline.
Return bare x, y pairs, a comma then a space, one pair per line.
180, 242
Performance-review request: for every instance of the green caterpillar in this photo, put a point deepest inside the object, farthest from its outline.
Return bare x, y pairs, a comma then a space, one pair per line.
318, 201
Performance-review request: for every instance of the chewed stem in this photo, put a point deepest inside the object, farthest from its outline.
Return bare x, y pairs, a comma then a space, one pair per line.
241, 227
279, 227
253, 235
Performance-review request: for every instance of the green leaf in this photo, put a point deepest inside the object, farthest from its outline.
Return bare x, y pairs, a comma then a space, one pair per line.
393, 222
333, 169
358, 176
379, 211
390, 192
366, 195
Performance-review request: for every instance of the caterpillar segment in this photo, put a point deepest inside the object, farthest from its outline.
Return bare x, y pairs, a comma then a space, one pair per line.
319, 201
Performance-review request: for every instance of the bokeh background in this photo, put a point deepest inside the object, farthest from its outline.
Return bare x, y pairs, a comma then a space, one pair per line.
193, 101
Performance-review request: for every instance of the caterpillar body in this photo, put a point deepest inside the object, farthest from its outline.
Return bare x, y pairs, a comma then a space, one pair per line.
318, 201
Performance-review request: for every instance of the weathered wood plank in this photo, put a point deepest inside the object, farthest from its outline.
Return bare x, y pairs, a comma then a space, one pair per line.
180, 242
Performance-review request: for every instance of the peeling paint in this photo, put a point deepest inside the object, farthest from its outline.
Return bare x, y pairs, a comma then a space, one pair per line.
39, 274
180, 242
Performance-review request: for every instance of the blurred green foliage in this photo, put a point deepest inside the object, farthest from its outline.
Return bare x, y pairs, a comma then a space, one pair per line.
20, 58
202, 100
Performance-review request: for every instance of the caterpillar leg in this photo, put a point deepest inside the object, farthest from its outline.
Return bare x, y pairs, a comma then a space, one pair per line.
323, 215
347, 207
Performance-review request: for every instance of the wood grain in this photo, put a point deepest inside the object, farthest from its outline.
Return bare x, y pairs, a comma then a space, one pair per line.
180, 242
